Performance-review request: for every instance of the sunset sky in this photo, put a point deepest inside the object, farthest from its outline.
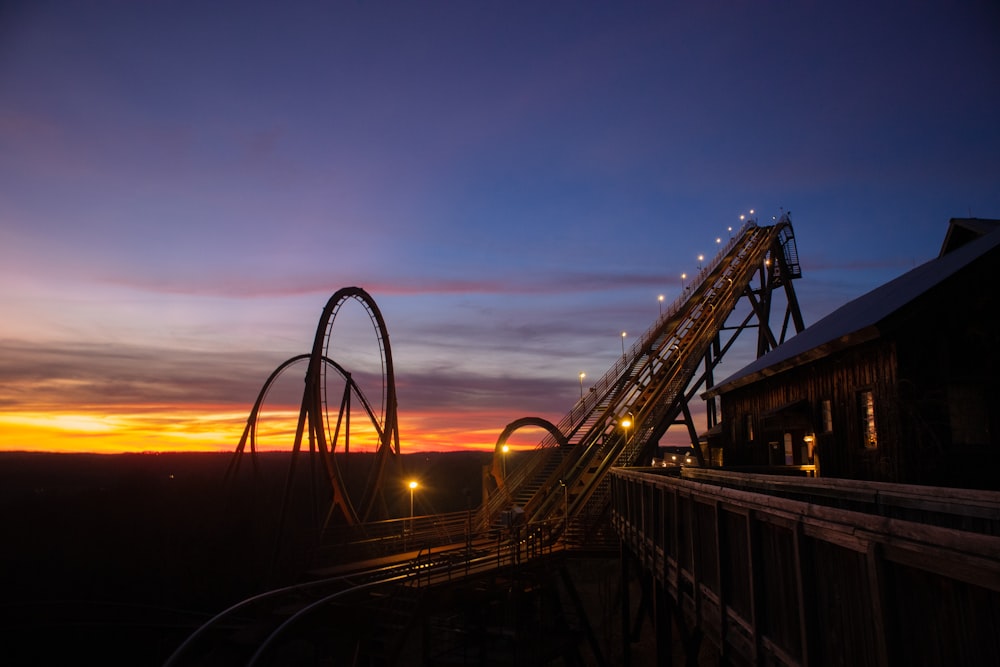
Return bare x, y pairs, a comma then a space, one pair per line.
183, 185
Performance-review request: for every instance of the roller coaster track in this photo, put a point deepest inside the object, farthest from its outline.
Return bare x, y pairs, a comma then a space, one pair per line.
314, 428
621, 419
561, 488
366, 611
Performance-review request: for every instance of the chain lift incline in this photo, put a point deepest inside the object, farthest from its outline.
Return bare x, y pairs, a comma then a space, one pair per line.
620, 421
562, 484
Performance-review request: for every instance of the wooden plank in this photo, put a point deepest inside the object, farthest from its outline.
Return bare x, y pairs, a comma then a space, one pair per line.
722, 597
965, 567
625, 609
960, 502
662, 606
773, 649
836, 535
693, 539
755, 587
777, 509
739, 637
961, 557
801, 593
876, 588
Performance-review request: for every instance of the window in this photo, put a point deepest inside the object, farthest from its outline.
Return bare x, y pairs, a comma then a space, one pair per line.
866, 405
827, 417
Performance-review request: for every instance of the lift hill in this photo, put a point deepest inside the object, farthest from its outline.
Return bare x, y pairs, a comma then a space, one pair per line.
557, 498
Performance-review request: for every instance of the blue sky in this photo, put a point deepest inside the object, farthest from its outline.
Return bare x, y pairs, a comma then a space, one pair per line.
184, 184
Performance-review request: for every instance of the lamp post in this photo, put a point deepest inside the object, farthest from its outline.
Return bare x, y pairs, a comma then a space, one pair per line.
468, 529
626, 423
565, 488
701, 258
683, 278
623, 344
660, 299
582, 375
413, 486
504, 451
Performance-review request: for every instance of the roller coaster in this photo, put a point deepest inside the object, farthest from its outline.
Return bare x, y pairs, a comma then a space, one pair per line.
620, 421
558, 496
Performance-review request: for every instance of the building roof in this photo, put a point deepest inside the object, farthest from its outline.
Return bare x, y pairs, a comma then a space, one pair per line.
859, 320
964, 230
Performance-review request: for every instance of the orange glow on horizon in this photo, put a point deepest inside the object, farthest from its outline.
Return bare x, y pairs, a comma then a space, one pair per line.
133, 429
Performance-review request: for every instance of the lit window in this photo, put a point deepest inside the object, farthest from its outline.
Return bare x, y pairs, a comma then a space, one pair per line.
827, 417
867, 406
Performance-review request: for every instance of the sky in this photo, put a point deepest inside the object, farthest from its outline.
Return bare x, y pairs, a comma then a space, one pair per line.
183, 185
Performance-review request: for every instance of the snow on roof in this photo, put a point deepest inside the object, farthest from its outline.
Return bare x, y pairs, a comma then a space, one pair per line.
858, 320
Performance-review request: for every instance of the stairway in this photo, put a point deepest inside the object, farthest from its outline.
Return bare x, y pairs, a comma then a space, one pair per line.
647, 385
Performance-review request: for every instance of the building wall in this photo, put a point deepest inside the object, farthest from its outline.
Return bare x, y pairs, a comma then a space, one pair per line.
948, 366
936, 412
933, 373
793, 403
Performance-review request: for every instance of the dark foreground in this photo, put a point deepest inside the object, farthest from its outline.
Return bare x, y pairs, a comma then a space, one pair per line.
116, 559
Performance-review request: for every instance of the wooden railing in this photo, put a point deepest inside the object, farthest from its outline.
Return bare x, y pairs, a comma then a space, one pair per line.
771, 579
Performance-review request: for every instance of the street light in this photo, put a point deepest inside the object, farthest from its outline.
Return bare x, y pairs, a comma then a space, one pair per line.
683, 278
660, 299
562, 483
625, 424
623, 344
582, 375
413, 486
504, 450
701, 258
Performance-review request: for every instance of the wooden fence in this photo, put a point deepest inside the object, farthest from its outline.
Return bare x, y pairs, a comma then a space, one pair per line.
769, 578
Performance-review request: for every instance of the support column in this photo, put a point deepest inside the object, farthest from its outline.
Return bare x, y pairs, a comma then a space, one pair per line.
663, 625
625, 638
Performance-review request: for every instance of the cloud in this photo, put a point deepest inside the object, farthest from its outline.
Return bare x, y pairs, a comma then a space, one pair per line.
225, 281
96, 375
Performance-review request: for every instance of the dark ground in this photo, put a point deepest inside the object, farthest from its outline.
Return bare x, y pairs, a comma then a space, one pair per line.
115, 559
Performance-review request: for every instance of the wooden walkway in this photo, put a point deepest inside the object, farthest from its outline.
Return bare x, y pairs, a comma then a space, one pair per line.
796, 571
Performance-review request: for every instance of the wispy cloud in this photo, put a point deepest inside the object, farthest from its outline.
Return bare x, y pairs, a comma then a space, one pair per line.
229, 282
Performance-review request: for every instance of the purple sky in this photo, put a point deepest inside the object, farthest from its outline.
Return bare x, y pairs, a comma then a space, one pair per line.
182, 188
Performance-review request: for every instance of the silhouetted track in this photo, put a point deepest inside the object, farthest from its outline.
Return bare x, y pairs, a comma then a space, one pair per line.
621, 419
556, 498
364, 612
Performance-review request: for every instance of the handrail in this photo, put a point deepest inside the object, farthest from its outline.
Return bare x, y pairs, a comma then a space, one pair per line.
677, 531
528, 541
662, 364
266, 597
649, 378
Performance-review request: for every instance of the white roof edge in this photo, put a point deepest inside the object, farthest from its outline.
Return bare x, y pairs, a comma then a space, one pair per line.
863, 312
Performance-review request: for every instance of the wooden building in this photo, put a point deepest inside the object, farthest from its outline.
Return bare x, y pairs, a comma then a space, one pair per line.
899, 385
